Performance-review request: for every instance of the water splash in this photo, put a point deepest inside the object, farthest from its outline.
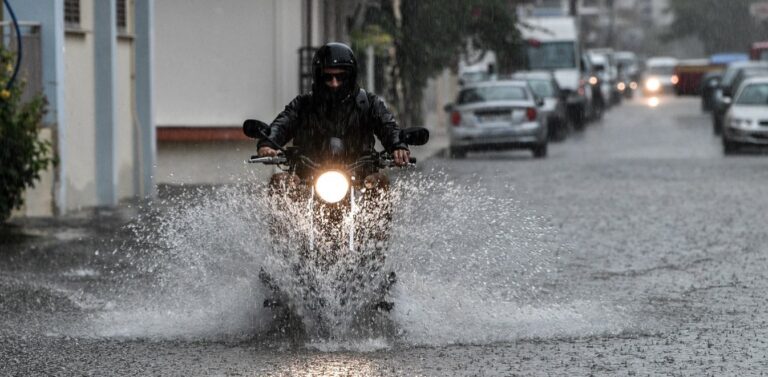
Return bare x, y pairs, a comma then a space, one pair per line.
472, 267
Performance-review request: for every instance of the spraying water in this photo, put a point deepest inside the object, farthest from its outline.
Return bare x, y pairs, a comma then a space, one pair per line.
470, 267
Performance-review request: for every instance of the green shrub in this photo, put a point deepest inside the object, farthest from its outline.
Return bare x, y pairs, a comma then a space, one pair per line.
22, 154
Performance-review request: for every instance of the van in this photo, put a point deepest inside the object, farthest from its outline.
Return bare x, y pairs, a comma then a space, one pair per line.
552, 44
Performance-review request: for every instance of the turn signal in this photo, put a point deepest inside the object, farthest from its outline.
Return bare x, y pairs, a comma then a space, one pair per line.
530, 113
455, 118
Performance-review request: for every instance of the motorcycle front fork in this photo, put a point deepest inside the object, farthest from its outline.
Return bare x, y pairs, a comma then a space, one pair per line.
349, 219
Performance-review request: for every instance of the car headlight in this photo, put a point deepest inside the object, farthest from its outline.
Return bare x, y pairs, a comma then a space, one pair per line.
652, 85
740, 123
621, 86
332, 186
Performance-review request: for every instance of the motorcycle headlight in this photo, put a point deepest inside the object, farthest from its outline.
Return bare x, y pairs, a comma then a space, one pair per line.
332, 186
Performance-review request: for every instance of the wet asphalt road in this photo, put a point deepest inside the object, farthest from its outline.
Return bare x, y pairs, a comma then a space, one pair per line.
661, 259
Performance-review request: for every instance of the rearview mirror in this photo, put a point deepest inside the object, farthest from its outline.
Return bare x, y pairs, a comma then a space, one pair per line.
414, 135
448, 107
255, 129
539, 102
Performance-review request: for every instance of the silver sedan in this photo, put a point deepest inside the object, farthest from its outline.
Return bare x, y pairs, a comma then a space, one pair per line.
746, 122
496, 115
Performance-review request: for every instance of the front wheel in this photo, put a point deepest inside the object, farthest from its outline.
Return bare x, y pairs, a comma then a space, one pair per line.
540, 151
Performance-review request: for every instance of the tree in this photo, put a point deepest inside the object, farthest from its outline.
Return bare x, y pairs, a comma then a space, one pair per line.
722, 26
22, 154
428, 36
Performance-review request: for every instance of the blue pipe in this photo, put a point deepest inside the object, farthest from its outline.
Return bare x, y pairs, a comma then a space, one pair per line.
18, 43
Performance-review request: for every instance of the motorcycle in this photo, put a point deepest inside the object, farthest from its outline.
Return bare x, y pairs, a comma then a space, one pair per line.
338, 224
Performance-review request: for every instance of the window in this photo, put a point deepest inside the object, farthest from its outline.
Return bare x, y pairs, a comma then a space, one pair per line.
121, 16
72, 13
754, 94
552, 55
492, 93
542, 88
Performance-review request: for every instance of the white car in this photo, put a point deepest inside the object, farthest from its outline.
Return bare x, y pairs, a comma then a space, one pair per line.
746, 121
496, 115
659, 77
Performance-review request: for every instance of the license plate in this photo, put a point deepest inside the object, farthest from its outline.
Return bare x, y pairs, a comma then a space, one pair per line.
495, 118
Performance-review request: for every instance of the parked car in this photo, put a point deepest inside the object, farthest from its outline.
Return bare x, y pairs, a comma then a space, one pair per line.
497, 115
600, 80
725, 91
629, 72
748, 73
658, 77
611, 75
709, 84
554, 45
555, 111
746, 121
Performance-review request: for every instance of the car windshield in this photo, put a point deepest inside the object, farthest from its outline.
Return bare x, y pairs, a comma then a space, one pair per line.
552, 55
492, 93
754, 94
542, 88
666, 70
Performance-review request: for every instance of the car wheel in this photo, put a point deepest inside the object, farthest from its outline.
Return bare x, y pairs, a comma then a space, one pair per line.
717, 125
559, 130
729, 147
540, 151
457, 153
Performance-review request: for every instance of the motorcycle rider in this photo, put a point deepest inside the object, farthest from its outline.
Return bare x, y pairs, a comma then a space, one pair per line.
335, 108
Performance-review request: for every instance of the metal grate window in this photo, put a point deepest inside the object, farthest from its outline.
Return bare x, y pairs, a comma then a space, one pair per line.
122, 15
72, 13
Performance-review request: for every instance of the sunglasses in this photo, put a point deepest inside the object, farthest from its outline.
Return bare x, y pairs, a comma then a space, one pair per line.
341, 76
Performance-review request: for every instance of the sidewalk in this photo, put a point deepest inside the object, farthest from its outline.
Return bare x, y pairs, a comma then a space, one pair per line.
438, 142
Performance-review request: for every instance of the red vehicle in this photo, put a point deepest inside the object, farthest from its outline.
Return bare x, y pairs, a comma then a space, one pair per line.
688, 75
759, 51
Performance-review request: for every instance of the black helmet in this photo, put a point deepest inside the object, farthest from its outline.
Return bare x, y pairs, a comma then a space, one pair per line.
334, 55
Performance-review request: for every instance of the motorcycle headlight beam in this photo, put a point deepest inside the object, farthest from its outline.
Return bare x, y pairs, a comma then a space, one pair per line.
332, 186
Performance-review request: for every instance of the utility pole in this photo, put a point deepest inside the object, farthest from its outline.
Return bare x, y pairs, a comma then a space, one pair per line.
611, 24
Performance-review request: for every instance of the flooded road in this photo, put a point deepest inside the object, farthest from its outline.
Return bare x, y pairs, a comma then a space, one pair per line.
635, 248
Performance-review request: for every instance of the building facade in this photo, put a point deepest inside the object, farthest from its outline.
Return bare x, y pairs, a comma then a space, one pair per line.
96, 73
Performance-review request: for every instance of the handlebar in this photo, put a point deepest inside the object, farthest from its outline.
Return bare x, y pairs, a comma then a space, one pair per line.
278, 160
385, 161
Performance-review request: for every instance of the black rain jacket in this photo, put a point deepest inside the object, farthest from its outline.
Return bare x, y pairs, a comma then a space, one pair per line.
311, 122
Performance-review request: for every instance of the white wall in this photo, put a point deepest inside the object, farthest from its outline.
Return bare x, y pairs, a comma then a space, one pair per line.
80, 111
126, 131
219, 62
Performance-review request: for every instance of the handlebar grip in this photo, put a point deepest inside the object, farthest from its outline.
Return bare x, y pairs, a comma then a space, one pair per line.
278, 160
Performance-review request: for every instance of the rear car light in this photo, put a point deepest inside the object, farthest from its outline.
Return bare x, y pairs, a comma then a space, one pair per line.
530, 113
455, 118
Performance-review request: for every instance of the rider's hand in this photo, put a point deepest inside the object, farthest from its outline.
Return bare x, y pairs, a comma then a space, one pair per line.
402, 157
267, 152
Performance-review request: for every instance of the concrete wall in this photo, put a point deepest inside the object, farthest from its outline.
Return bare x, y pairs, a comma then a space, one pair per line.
72, 114
221, 62
127, 153
79, 105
